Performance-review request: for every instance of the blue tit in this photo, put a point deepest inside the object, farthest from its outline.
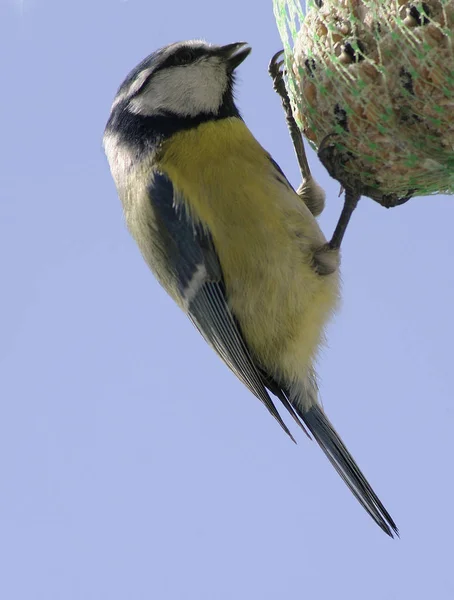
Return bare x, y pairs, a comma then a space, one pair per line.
227, 236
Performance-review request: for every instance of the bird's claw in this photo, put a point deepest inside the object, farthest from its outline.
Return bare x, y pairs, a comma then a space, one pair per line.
274, 66
277, 74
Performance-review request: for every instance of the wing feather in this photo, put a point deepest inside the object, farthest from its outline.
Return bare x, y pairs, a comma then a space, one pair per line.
192, 259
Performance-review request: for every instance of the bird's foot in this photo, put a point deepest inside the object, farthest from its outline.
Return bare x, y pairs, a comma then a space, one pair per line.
326, 260
277, 75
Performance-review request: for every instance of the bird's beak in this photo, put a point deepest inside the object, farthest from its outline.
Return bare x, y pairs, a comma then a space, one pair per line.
235, 53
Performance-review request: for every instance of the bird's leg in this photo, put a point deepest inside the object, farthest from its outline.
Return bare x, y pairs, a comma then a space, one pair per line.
333, 157
277, 76
352, 197
309, 191
326, 258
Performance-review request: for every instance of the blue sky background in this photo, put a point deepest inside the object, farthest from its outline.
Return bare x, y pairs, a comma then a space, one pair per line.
132, 463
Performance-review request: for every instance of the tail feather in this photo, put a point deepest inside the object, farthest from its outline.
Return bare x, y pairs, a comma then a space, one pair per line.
334, 448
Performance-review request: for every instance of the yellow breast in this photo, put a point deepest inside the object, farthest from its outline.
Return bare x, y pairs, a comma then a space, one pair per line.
264, 236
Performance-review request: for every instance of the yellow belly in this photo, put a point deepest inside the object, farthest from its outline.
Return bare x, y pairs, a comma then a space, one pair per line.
264, 236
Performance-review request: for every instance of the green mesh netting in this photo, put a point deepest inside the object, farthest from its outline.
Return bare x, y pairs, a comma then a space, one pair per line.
378, 78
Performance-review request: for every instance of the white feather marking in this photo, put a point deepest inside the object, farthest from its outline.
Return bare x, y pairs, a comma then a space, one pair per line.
119, 98
133, 88
121, 161
198, 279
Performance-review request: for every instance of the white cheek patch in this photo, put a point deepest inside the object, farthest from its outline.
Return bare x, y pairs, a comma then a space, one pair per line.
185, 91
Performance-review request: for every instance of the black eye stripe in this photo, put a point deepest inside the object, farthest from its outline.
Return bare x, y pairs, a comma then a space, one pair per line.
183, 56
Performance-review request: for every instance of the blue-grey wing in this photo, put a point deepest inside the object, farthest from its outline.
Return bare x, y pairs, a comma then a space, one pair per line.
279, 173
191, 257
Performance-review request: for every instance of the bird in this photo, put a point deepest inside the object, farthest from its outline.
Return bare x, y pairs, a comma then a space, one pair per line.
226, 235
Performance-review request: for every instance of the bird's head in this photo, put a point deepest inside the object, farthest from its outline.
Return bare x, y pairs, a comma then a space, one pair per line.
183, 80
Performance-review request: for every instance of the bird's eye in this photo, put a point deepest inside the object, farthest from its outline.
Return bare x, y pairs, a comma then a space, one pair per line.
184, 57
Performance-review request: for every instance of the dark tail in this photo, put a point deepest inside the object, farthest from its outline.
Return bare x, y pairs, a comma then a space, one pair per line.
334, 448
